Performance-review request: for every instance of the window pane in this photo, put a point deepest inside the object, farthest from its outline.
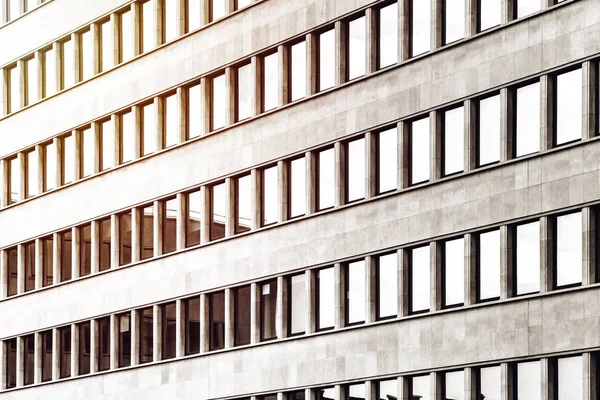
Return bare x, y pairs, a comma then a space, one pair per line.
68, 64
12, 271
124, 334
127, 137
47, 244
324, 394
85, 257
325, 298
65, 352
107, 45
87, 55
489, 265
528, 381
242, 3
31, 4
297, 187
326, 187
528, 258
84, 348
169, 324
420, 26
454, 140
218, 206
570, 378
568, 106
526, 7
15, 89
192, 325
193, 14
170, 20
297, 303
14, 180
65, 256
49, 72
32, 80
14, 9
104, 344
270, 90
193, 213
454, 385
357, 48
356, 170
105, 235
244, 213
11, 363
148, 129
490, 383
217, 320
489, 130
68, 159
355, 292
421, 388
125, 238
454, 20
420, 272
171, 133
326, 77
387, 168
268, 302
454, 272
270, 207
419, 147
169, 225
387, 276
217, 9
387, 390
33, 179
388, 35
219, 102
46, 339
490, 14
298, 78
29, 250
108, 144
126, 38
147, 232
568, 249
528, 119
50, 166
356, 392
146, 335
88, 142
244, 81
242, 316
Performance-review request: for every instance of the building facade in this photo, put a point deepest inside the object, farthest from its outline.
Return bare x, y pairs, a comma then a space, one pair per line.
299, 199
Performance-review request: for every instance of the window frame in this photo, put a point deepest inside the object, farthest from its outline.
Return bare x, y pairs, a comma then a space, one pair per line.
237, 227
346, 271
477, 243
290, 302
409, 125
444, 273
263, 81
377, 10
347, 160
554, 221
346, 28
442, 122
236, 91
318, 296
377, 259
444, 9
410, 280
477, 101
378, 190
211, 206
553, 78
317, 34
263, 196
318, 178
262, 336
288, 165
513, 92
513, 237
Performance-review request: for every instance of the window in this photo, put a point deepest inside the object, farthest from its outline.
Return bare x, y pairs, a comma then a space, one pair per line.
454, 385
490, 383
387, 51
419, 151
50, 164
356, 167
171, 128
149, 132
241, 3
243, 204
568, 249
46, 343
85, 257
11, 363
31, 4
49, 71
327, 393
387, 285
64, 335
454, 272
104, 339
219, 102
387, 390
195, 119
528, 258
147, 232
31, 74
47, 244
107, 143
453, 128
357, 50
297, 177
148, 28
488, 126
325, 178
217, 9
29, 261
570, 378
68, 64
387, 160
125, 238
193, 21
11, 271
84, 348
355, 292
217, 320
270, 202
526, 7
490, 14
454, 20
420, 387
107, 58
105, 237
528, 380
296, 395
356, 392
170, 20
420, 17
123, 322
88, 152
568, 106
28, 359
298, 70
86, 54
14, 9
169, 327
65, 255
125, 36
218, 205
244, 92
326, 58
192, 325
528, 119
325, 298
169, 225
268, 310
297, 303
242, 317
489, 265
32, 172
14, 180
14, 89
419, 279
192, 218
270, 77
127, 137
68, 159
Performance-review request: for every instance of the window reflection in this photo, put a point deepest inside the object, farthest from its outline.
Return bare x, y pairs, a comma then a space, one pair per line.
325, 298
85, 248
528, 119
419, 279
454, 385
11, 362
64, 360
148, 129
454, 272
169, 326
170, 20
297, 179
194, 112
193, 13
126, 39
68, 159
217, 8
357, 48
218, 214
490, 383
454, 142
270, 92
454, 20
326, 178
217, 320
387, 278
193, 214
420, 387
84, 348
14, 9
356, 392
242, 316
419, 151
355, 292
106, 45
66, 241
31, 69
298, 72
50, 165
243, 203
147, 232
12, 269
326, 56
32, 171
104, 340
14, 89
570, 378
244, 94
105, 236
68, 64
489, 130
123, 322
568, 249
29, 261
297, 295
388, 35
526, 7
192, 325
171, 133
268, 309
127, 137
125, 238
568, 106
387, 159
528, 380
107, 138
46, 364
387, 390
49, 60
87, 54
169, 225
356, 170
219, 102
490, 14
323, 394
47, 244
489, 265
420, 27
14, 180
270, 205
528, 258
88, 152
146, 335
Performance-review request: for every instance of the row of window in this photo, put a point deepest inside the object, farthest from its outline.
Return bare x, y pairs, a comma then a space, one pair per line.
12, 9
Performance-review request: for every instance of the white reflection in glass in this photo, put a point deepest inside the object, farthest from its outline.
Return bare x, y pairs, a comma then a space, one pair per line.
420, 27
14, 189
50, 165
49, 72
489, 265
420, 279
387, 147
356, 292
219, 213
528, 381
357, 48
148, 129
570, 378
31, 4
171, 123
14, 9
298, 71
298, 303
387, 301
194, 111
219, 102
454, 274
193, 14
127, 137
88, 153
388, 35
270, 205
126, 38
568, 249
270, 82
107, 45
568, 106
243, 203
490, 14
490, 383
454, 134
148, 28
356, 169
68, 64
356, 391
87, 48
454, 20
297, 187
419, 148
33, 176
489, 130
244, 94
421, 387
326, 75
326, 296
326, 188
217, 9
108, 144
526, 7
528, 258
454, 385
170, 20
31, 66
68, 159
528, 119
15, 89
388, 389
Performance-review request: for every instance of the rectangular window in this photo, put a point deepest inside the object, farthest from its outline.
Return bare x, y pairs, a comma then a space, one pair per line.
85, 248
454, 272
107, 145
193, 218
570, 378
125, 238
86, 54
527, 250
127, 137
241, 319
169, 225
104, 343
171, 125
217, 320
420, 27
453, 129
14, 89
297, 303
420, 387
106, 45
454, 20
170, 20
568, 249
528, 119
31, 69
387, 389
527, 7
325, 298
124, 335
149, 132
323, 393
357, 49
387, 285
356, 391
192, 325
28, 359
47, 244
84, 348
46, 339
217, 9
68, 159
125, 36
31, 4
146, 335
270, 202
295, 395
219, 102
489, 265
32, 172
49, 71
298, 70
490, 383
218, 206
105, 236
14, 180
11, 271
193, 13
244, 92
243, 204
68, 63
490, 14
14, 9
529, 375
454, 385
419, 151
326, 58
64, 335
488, 130
148, 26
29, 261
297, 177
325, 178
65, 255
568, 102
355, 292
88, 152
356, 170
270, 77
50, 164
11, 363
147, 232
420, 279
169, 326
268, 310
387, 52
195, 118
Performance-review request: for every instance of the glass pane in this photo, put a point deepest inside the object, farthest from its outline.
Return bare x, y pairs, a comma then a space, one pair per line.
324, 394
107, 45
356, 392
420, 272
570, 378
357, 48
490, 383
387, 390
104, 344
14, 182
326, 187
326, 77
32, 80
29, 250
297, 303
356, 292
148, 28
568, 106
171, 137
325, 297
47, 261
68, 64
219, 102
65, 352
88, 153
169, 326
489, 130
244, 212
387, 168
50, 166
356, 170
105, 237
387, 275
528, 119
65, 256
33, 176
125, 238
297, 187
270, 206
31, 4
15, 89
242, 316
454, 385
454, 140
68, 159
419, 147
147, 232
49, 72
124, 335
421, 387
148, 129
87, 55
270, 91
526, 7
268, 308
12, 271
454, 272
217, 9
242, 3
169, 225
298, 72
489, 265
218, 206
244, 80
217, 320
490, 14
388, 35
170, 20
11, 363
108, 144
568, 249
194, 112
146, 335
420, 27
454, 20
46, 339
193, 14
85, 260
126, 36
528, 381
192, 325
127, 137
528, 258
194, 211
14, 9
84, 348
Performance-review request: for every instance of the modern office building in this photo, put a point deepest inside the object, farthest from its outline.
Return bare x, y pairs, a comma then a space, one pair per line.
299, 199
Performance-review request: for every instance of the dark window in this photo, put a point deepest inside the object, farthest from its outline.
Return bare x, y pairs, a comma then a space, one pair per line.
244, 92
420, 279
387, 285
356, 392
325, 298
217, 320
65, 255
146, 335
387, 390
454, 272
192, 218
192, 325
454, 20
270, 202
268, 309
568, 249
528, 119
296, 395
488, 130
85, 256
490, 383
326, 393
297, 303
104, 339
270, 82
125, 238
529, 375
355, 292
420, 387
526, 7
357, 47
104, 235
64, 335
355, 167
387, 160
527, 250
454, 385
28, 359
326, 60
46, 339
147, 232
47, 244
490, 14
489, 265
124, 331
454, 142
29, 250
169, 326
84, 348
325, 178
387, 52
11, 363
419, 151
242, 315
243, 204
11, 271
420, 30
218, 206
169, 225
570, 378
297, 178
